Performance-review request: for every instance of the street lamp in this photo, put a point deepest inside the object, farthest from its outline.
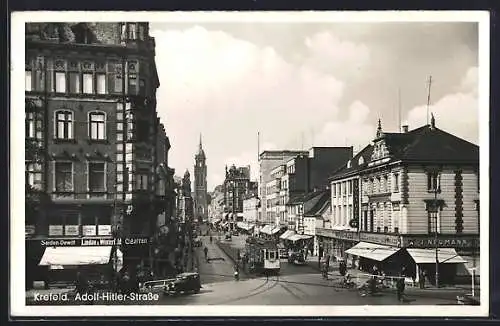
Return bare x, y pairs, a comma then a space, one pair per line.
434, 216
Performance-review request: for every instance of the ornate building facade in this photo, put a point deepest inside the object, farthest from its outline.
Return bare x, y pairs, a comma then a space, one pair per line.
200, 185
91, 125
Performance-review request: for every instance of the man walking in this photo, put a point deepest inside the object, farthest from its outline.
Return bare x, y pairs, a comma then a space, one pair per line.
400, 285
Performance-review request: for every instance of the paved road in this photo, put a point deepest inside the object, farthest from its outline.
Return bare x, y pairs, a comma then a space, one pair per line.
296, 285
219, 267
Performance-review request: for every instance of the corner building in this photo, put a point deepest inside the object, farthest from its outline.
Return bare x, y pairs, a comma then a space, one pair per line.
406, 198
90, 132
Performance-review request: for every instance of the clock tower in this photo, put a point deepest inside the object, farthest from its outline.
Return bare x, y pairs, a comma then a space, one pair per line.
200, 184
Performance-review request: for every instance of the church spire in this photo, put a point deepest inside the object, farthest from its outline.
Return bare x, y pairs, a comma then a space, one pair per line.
201, 147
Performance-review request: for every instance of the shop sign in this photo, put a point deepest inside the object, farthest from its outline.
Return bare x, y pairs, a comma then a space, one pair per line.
93, 242
443, 241
55, 230
338, 234
104, 229
71, 230
89, 230
385, 239
29, 230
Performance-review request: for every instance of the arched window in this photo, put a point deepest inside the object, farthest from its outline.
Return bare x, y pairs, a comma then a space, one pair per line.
63, 124
97, 125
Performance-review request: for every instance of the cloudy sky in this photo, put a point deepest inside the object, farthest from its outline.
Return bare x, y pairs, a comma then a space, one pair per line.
300, 84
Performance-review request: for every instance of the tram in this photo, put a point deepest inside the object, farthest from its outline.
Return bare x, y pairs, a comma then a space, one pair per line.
262, 255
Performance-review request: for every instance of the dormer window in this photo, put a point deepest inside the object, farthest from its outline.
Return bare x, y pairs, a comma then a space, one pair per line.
361, 160
349, 164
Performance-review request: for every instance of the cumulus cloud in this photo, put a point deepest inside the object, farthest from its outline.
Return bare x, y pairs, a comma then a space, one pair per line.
327, 52
228, 89
456, 113
355, 131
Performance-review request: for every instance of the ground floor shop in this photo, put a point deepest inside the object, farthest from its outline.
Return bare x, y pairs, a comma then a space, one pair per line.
456, 257
57, 261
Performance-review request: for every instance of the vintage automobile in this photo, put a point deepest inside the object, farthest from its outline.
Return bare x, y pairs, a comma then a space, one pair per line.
184, 283
156, 286
297, 258
283, 252
227, 237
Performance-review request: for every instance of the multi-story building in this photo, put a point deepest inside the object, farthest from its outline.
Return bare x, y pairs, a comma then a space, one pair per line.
236, 184
268, 160
300, 175
200, 185
251, 203
216, 206
90, 133
185, 205
413, 195
309, 212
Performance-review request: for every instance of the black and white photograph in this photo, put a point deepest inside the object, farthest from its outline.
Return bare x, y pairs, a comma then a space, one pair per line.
249, 164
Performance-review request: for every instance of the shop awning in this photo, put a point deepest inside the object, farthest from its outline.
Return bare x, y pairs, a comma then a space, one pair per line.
69, 256
287, 234
297, 237
372, 251
276, 230
428, 256
266, 229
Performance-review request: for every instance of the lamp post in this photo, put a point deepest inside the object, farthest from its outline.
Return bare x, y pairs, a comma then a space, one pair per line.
434, 216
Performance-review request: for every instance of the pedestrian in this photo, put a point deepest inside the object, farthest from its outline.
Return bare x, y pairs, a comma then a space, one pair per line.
400, 287
82, 284
421, 279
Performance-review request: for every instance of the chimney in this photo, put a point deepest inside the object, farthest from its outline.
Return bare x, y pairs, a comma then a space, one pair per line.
405, 129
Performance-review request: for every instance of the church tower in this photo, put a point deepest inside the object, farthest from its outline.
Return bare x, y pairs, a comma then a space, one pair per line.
200, 184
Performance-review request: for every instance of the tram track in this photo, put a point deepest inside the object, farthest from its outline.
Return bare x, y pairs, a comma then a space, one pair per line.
254, 292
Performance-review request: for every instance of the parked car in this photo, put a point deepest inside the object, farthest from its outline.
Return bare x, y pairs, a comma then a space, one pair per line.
156, 286
227, 237
184, 283
235, 233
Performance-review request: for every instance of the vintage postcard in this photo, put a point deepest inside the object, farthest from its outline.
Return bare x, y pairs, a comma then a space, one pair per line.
249, 164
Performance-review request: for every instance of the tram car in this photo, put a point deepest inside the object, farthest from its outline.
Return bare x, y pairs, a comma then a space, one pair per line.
262, 255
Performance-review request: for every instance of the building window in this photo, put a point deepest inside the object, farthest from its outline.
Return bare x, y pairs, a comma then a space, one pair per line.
142, 181
34, 175
60, 82
378, 229
74, 83
132, 32
132, 86
396, 230
378, 189
88, 83
123, 31
101, 83
27, 81
30, 123
141, 32
433, 181
97, 126
350, 187
396, 182
97, 177
386, 183
433, 221
386, 229
142, 87
142, 131
64, 125
64, 177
